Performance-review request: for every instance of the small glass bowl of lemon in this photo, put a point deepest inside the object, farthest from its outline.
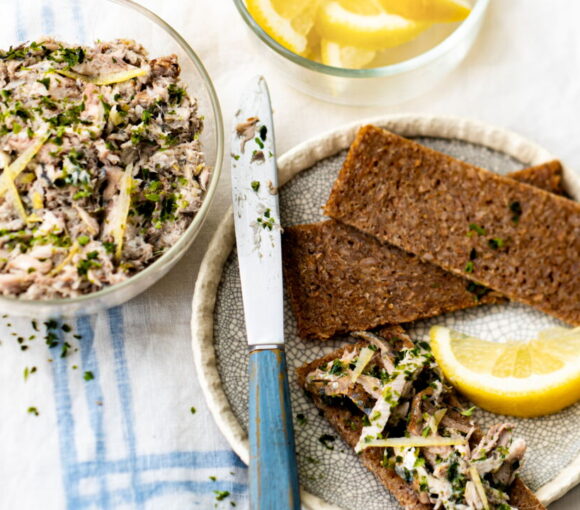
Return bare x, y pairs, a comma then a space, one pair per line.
364, 52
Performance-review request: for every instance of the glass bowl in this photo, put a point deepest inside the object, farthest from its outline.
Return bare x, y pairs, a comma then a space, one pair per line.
83, 22
387, 85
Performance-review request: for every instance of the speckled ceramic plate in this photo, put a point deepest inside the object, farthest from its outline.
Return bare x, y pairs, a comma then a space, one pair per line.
334, 479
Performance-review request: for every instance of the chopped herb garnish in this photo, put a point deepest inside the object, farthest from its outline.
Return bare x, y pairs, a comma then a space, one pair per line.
255, 185
267, 222
496, 243
45, 82
69, 56
301, 419
327, 441
469, 267
146, 116
468, 412
83, 240
516, 209
221, 495
420, 462
66, 328
213, 478
88, 263
28, 371
236, 156
51, 324
33, 410
477, 289
88, 376
176, 94
337, 367
259, 142
109, 247
263, 133
193, 410
477, 229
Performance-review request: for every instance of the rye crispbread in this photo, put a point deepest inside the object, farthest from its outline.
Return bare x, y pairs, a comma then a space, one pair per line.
348, 424
341, 280
509, 236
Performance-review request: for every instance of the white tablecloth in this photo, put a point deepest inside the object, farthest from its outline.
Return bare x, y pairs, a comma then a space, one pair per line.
128, 438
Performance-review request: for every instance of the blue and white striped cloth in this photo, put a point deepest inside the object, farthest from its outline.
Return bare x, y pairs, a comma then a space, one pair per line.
124, 438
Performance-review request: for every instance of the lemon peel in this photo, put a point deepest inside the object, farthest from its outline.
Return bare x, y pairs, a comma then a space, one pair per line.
279, 28
434, 11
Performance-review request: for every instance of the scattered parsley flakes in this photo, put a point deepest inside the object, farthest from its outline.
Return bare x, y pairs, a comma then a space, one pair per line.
327, 441
259, 142
236, 156
221, 495
477, 289
51, 324
64, 349
83, 240
45, 82
28, 371
213, 478
193, 410
468, 412
88, 376
475, 228
255, 185
496, 243
263, 133
516, 209
33, 410
469, 267
176, 94
266, 222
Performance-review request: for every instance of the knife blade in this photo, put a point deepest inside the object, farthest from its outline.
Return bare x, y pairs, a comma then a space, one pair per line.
257, 216
273, 479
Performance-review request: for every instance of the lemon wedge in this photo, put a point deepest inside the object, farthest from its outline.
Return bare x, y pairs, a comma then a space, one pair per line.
435, 11
369, 28
517, 378
349, 57
278, 27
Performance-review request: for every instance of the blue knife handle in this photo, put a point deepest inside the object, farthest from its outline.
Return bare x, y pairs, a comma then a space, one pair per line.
273, 471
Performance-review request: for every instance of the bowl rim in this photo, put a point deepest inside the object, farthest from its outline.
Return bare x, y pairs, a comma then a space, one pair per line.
192, 230
466, 26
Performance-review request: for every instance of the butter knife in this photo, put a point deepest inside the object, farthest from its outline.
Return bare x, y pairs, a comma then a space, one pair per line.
273, 473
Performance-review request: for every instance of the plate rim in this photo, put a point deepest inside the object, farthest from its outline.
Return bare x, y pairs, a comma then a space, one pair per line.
292, 162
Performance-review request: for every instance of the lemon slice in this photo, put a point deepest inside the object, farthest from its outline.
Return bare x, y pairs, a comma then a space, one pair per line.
349, 57
435, 11
290, 9
517, 378
370, 29
278, 27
